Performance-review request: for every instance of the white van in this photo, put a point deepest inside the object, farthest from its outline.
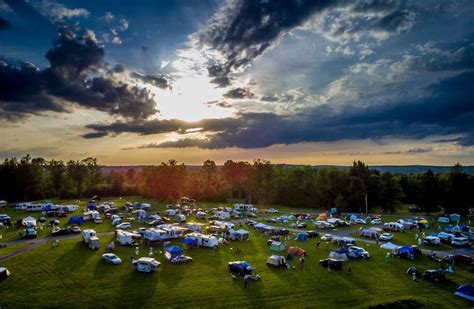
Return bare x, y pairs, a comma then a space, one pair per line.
460, 242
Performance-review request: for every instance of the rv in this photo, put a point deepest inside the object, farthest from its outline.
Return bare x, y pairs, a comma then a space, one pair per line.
222, 215
22, 206
34, 207
204, 240
164, 232
90, 238
126, 238
222, 224
392, 227
243, 207
195, 227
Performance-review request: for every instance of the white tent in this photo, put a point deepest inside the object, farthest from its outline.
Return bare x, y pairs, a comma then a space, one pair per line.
389, 246
29, 221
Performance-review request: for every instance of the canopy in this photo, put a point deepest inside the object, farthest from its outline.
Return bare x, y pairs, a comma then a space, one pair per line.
465, 291
296, 251
340, 255
389, 246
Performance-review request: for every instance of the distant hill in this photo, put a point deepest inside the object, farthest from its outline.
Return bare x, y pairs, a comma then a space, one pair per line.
399, 169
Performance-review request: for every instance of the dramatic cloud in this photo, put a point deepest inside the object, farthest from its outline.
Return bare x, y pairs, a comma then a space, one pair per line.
4, 24
449, 110
58, 12
154, 80
73, 77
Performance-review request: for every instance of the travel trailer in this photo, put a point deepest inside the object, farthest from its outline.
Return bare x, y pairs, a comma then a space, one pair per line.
243, 207
90, 238
164, 232
22, 206
195, 227
203, 240
34, 207
126, 238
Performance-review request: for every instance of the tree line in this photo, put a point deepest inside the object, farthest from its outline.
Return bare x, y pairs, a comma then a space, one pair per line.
259, 182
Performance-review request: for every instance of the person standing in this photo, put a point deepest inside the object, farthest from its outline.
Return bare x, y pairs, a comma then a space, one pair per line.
246, 281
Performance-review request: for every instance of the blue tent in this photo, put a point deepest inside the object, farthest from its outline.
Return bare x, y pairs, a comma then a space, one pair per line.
76, 220
242, 268
465, 291
92, 206
409, 251
174, 251
189, 241
454, 217
302, 237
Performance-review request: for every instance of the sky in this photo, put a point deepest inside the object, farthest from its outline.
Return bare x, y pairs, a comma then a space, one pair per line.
291, 81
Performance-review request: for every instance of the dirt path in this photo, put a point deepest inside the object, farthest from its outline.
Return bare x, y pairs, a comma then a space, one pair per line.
34, 243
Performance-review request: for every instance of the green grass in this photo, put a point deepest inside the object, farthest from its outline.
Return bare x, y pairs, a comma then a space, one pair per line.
11, 248
72, 275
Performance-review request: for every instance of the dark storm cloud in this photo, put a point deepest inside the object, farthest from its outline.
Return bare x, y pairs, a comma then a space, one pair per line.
449, 110
162, 126
239, 93
4, 24
245, 29
154, 80
73, 77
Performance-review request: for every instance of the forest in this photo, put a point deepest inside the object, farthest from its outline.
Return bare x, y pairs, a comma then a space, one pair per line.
259, 182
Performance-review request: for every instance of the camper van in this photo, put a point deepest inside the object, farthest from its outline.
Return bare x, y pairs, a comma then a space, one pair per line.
90, 238
126, 238
204, 240
392, 227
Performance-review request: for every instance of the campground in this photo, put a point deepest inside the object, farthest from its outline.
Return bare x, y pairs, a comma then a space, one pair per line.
71, 275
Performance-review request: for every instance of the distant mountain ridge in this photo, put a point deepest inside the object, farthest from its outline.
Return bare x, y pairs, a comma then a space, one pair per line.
399, 169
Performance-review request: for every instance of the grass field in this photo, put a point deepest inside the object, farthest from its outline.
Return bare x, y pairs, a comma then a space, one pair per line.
71, 275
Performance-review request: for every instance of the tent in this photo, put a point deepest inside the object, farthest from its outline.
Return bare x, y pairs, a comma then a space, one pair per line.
189, 241
76, 220
340, 255
465, 291
173, 251
302, 237
259, 226
323, 216
277, 246
4, 273
29, 221
454, 217
241, 267
409, 252
296, 251
389, 246
241, 235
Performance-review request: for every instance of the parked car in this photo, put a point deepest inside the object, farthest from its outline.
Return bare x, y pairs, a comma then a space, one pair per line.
432, 241
376, 221
312, 234
181, 259
302, 226
386, 237
433, 275
111, 258
414, 209
359, 221
459, 258
271, 220
124, 225
358, 252
145, 264
331, 264
326, 237
59, 232
323, 225
460, 242
272, 210
75, 230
